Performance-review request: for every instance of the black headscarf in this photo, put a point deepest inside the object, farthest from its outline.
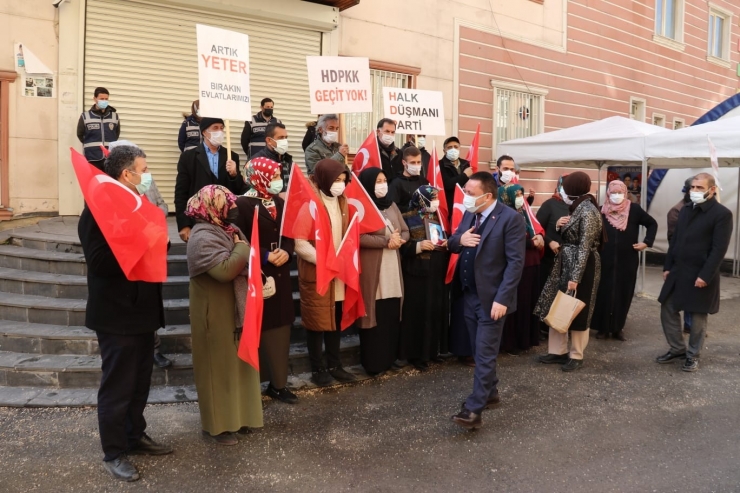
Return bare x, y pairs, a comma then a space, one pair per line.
367, 178
326, 171
578, 185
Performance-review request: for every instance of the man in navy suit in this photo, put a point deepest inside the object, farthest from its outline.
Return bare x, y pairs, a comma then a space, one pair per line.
491, 243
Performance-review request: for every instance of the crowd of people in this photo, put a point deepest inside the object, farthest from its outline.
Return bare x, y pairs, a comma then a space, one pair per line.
510, 265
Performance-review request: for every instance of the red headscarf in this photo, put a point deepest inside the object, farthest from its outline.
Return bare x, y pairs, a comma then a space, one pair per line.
260, 172
616, 214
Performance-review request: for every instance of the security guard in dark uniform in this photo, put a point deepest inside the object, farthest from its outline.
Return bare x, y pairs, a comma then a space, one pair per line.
253, 135
98, 127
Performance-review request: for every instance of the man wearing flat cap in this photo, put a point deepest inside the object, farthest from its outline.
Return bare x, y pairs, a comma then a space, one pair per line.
206, 164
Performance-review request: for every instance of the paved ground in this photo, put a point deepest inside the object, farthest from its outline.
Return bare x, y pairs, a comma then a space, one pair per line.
621, 424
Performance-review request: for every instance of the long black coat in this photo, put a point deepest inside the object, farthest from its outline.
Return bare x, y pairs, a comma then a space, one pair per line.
115, 305
279, 309
194, 173
451, 177
696, 250
619, 263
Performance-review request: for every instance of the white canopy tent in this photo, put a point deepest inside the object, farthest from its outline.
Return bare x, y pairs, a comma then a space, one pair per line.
689, 149
612, 141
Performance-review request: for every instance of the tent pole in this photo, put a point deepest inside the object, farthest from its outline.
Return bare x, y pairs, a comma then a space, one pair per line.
643, 204
735, 262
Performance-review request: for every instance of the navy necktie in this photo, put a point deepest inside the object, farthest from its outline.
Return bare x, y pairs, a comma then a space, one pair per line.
478, 218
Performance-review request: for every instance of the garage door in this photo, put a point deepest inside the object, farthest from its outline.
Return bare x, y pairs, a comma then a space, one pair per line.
145, 55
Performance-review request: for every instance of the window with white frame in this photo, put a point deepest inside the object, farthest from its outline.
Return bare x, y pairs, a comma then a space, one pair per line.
659, 120
669, 19
718, 33
637, 109
357, 126
518, 111
678, 123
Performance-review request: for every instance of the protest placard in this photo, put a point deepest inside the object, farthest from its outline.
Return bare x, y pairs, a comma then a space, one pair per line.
339, 84
223, 73
415, 111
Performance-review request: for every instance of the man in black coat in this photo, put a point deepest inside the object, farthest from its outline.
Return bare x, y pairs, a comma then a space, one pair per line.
454, 170
691, 270
205, 165
276, 149
125, 315
420, 142
403, 187
390, 157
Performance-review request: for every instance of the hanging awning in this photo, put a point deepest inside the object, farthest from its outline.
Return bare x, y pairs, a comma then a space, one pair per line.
339, 4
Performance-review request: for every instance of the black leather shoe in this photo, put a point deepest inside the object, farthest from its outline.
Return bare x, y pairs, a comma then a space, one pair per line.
668, 357
147, 446
121, 468
421, 366
572, 365
342, 375
282, 395
601, 335
160, 361
691, 364
321, 378
554, 359
619, 336
244, 430
467, 419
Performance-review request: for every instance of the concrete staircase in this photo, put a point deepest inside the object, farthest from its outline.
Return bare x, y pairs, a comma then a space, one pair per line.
48, 357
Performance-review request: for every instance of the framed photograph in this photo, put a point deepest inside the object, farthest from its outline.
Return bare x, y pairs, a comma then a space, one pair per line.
435, 233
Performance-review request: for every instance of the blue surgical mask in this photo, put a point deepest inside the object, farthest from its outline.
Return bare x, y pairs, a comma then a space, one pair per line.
102, 104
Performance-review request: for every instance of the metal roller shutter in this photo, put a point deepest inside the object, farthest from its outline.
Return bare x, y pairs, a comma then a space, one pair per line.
145, 55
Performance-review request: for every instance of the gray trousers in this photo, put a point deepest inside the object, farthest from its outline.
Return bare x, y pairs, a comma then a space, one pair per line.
673, 330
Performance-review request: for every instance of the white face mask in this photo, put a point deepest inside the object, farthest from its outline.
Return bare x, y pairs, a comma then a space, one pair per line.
469, 203
413, 170
276, 186
565, 197
331, 137
421, 141
216, 138
616, 198
281, 146
387, 139
433, 206
381, 190
337, 189
519, 202
507, 176
698, 197
453, 154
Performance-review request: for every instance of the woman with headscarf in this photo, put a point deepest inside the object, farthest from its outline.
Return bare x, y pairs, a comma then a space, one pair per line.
522, 328
620, 259
189, 135
229, 395
577, 270
380, 279
264, 178
322, 315
425, 320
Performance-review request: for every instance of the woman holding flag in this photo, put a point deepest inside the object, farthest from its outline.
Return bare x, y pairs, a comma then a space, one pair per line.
265, 181
380, 279
229, 394
426, 309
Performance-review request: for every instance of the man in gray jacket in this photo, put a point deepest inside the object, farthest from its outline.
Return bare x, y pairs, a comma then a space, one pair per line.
326, 145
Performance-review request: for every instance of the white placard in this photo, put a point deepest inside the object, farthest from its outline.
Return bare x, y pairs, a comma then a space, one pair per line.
415, 111
223, 73
339, 84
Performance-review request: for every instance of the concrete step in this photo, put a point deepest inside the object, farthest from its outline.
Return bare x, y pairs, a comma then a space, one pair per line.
70, 312
55, 262
83, 371
68, 244
71, 286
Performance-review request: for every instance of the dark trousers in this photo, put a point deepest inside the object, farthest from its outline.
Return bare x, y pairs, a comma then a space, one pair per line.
100, 164
485, 338
157, 342
274, 353
124, 389
330, 340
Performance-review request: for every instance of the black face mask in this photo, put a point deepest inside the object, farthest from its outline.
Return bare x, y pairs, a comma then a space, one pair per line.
232, 215
267, 112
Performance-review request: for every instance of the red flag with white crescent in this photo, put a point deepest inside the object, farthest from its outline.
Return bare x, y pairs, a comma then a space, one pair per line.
472, 156
252, 329
348, 261
360, 203
434, 177
458, 210
368, 155
538, 229
305, 218
134, 228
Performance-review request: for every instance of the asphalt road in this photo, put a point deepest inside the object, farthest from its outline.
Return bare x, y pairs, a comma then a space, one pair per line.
621, 424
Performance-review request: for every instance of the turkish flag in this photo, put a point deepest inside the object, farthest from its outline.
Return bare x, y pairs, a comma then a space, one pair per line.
368, 155
305, 218
473, 151
252, 328
348, 261
457, 214
133, 227
434, 177
538, 229
359, 201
